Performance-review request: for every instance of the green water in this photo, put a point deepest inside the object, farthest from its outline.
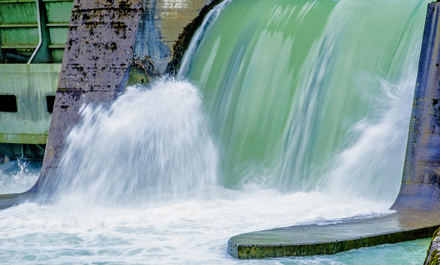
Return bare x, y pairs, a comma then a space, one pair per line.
413, 252
288, 83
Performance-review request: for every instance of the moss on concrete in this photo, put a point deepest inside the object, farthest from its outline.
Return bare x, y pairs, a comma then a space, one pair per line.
432, 256
137, 75
332, 239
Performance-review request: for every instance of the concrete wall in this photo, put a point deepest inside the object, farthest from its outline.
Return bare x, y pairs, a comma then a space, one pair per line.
159, 29
30, 83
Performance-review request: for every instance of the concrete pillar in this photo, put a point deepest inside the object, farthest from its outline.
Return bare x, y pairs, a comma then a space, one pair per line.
111, 43
98, 52
420, 188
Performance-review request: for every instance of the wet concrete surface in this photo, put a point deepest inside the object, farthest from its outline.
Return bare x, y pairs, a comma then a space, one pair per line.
327, 239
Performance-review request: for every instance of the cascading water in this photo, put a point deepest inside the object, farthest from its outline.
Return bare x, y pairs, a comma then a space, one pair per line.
290, 90
151, 145
301, 117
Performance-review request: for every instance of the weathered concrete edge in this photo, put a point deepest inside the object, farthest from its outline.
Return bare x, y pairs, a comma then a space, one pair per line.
186, 36
432, 256
8, 200
262, 251
420, 181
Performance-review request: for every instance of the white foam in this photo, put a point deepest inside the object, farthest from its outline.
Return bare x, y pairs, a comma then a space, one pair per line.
151, 144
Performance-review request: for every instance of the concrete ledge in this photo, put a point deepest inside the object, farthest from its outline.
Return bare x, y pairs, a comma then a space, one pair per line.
8, 200
333, 238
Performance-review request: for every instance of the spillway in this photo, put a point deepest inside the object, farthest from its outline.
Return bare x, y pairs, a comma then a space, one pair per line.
312, 94
286, 113
108, 207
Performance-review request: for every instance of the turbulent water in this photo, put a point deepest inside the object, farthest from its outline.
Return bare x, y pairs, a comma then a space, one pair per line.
286, 113
151, 145
18, 176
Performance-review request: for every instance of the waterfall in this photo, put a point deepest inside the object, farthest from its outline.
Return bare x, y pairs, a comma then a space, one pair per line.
297, 93
294, 100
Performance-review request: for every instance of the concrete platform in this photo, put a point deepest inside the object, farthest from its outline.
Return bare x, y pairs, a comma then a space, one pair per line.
333, 238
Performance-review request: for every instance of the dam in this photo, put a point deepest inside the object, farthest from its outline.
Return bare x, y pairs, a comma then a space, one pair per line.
274, 114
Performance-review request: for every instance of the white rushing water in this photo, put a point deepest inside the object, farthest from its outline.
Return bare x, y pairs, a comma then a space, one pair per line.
187, 232
379, 150
151, 145
93, 221
18, 176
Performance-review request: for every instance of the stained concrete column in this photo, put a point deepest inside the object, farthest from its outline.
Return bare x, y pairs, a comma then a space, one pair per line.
421, 177
98, 52
112, 43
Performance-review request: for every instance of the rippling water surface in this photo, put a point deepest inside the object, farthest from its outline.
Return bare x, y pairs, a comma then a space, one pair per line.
187, 232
